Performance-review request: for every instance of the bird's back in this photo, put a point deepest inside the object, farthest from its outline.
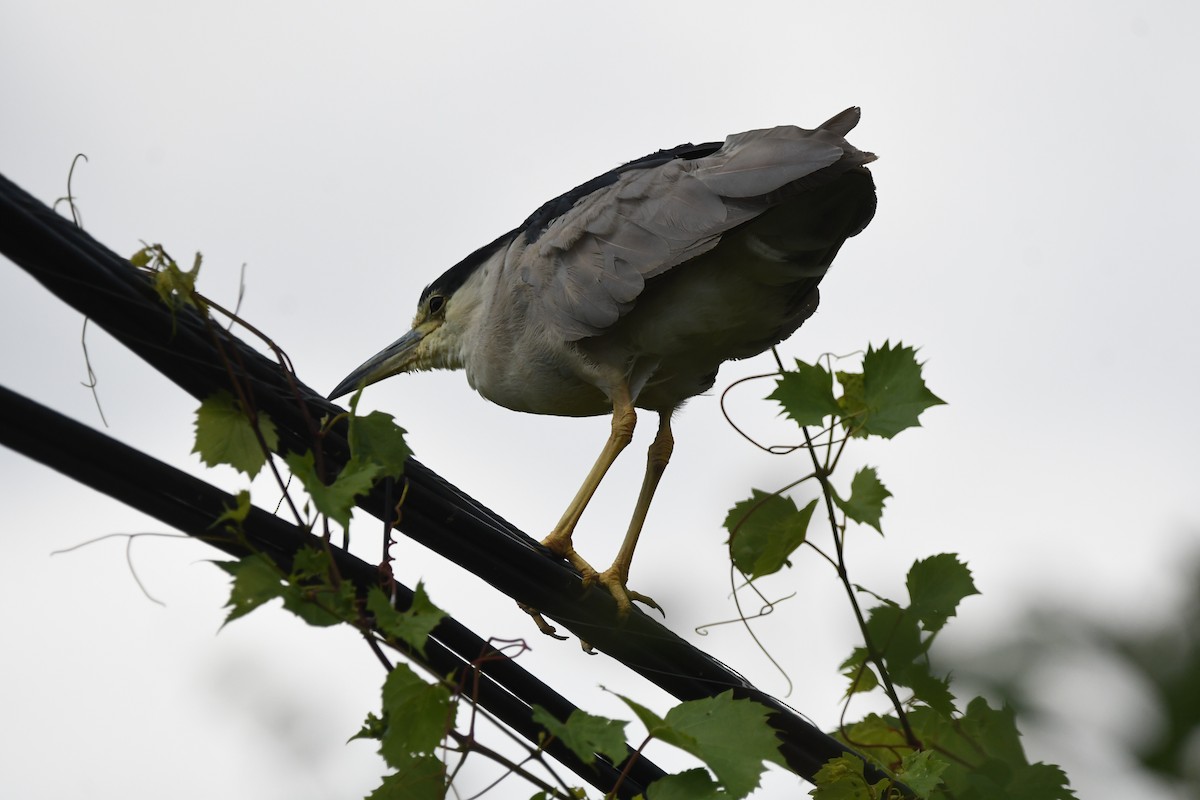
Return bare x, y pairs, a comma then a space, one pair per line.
740, 298
664, 269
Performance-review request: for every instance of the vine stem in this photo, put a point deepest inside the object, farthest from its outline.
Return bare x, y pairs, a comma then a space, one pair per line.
473, 745
628, 766
844, 575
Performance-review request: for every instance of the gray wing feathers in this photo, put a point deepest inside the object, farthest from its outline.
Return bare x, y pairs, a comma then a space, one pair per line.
586, 295
591, 264
843, 123
759, 162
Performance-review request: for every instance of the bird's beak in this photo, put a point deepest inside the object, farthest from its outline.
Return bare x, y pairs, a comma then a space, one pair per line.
390, 361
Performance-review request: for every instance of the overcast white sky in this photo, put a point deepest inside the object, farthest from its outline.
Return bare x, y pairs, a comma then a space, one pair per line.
1036, 179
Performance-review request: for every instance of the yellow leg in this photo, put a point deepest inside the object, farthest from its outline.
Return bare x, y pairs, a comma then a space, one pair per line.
616, 577
559, 541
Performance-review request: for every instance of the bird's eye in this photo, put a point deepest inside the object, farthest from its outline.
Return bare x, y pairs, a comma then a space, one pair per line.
436, 303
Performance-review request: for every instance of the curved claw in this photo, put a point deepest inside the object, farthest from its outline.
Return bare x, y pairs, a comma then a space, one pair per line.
542, 625
646, 600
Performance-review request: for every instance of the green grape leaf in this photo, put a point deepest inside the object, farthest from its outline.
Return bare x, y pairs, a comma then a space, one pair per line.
310, 563
658, 728
585, 734
377, 439
894, 633
372, 728
926, 687
993, 730
1040, 782
875, 732
236, 515
936, 585
416, 778
894, 392
142, 257
336, 499
255, 581
732, 738
174, 285
806, 394
417, 716
922, 772
321, 604
859, 672
984, 753
853, 402
764, 530
412, 626
694, 784
867, 496
224, 435
842, 778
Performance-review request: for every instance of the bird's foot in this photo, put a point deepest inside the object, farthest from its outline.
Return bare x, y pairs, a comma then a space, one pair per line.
562, 547
613, 580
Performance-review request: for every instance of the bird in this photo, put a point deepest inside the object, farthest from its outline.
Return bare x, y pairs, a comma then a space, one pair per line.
631, 290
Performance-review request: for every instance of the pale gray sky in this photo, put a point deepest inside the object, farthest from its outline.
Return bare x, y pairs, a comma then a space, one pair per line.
1034, 237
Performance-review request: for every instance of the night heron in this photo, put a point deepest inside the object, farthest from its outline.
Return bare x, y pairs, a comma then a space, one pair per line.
631, 290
